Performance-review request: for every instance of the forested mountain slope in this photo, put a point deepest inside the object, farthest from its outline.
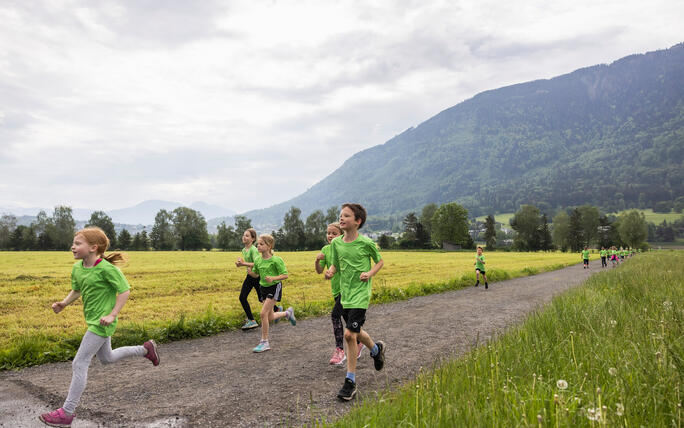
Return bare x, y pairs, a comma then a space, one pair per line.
607, 135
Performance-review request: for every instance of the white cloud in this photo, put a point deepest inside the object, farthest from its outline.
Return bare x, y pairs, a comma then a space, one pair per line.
246, 104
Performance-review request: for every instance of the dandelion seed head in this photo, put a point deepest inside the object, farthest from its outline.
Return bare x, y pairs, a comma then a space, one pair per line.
539, 418
598, 391
613, 323
612, 371
561, 384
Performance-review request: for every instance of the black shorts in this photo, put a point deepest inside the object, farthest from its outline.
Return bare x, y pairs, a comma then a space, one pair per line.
354, 318
586, 261
274, 292
481, 271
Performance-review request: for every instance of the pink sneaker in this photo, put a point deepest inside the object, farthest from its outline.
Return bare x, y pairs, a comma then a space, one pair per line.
152, 353
338, 357
57, 418
360, 347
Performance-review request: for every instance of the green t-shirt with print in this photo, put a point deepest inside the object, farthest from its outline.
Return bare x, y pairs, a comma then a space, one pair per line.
335, 281
99, 286
272, 266
480, 262
585, 254
604, 253
351, 259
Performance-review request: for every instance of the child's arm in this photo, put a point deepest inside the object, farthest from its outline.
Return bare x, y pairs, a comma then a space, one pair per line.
332, 270
251, 273
319, 257
276, 278
69, 299
368, 275
121, 300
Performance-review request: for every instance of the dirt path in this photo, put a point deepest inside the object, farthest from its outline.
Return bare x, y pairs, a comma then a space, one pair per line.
217, 381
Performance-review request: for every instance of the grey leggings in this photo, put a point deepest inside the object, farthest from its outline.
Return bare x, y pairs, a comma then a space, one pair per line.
92, 345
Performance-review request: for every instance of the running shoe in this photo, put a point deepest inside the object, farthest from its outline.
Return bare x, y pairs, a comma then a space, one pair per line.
360, 346
152, 353
379, 358
291, 315
277, 308
250, 324
338, 357
348, 390
262, 347
57, 418
486, 286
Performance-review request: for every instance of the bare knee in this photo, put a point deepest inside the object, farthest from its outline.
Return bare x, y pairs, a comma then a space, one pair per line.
349, 335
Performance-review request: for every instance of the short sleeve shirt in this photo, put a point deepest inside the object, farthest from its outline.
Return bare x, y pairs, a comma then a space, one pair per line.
480, 262
351, 259
99, 286
273, 266
250, 255
585, 254
335, 281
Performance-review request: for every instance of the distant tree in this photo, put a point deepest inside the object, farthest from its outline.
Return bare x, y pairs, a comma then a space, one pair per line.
422, 237
450, 224
526, 223
43, 223
315, 230
408, 238
44, 242
293, 227
545, 239
490, 232
64, 223
385, 241
242, 223
332, 215
662, 207
679, 204
190, 229
590, 223
124, 240
665, 232
426, 217
140, 241
161, 237
561, 230
632, 228
606, 232
103, 221
8, 223
227, 238
575, 231
279, 237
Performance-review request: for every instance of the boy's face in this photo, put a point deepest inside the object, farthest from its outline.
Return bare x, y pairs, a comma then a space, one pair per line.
348, 220
332, 233
479, 251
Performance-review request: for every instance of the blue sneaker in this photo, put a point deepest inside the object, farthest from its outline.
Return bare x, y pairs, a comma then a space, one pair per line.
250, 324
278, 308
291, 316
262, 347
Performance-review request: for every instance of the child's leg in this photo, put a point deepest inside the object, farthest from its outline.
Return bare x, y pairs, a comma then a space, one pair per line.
108, 356
90, 345
336, 317
247, 286
484, 276
352, 340
266, 317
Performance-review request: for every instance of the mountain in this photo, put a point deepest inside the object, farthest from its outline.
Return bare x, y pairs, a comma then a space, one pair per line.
607, 135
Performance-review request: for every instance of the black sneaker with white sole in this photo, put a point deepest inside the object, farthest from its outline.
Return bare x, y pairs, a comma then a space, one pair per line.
348, 391
379, 358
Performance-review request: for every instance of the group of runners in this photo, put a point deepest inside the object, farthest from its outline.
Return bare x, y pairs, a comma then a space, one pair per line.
615, 255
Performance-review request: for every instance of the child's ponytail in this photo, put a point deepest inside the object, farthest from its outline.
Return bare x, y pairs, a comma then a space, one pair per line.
116, 258
96, 236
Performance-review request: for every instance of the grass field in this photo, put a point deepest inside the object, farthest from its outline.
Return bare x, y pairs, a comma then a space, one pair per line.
499, 218
650, 216
609, 353
178, 295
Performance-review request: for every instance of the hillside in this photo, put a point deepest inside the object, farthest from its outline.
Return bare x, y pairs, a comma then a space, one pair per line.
607, 135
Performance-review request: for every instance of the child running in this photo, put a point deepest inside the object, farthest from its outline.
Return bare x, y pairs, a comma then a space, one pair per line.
338, 357
585, 257
604, 254
350, 256
271, 271
249, 252
480, 268
613, 256
104, 290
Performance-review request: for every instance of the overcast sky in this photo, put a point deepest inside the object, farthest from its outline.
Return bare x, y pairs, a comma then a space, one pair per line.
244, 104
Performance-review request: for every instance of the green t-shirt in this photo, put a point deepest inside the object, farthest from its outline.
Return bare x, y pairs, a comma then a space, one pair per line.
480, 262
585, 254
98, 286
273, 266
335, 281
351, 259
250, 255
604, 253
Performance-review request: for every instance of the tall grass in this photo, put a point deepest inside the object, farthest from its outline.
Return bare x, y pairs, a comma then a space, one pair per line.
609, 353
179, 295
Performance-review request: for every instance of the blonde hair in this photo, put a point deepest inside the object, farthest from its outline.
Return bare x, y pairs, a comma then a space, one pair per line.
337, 226
95, 236
268, 240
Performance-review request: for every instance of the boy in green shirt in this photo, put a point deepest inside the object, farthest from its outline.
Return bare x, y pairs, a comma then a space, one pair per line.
604, 255
585, 257
351, 255
480, 268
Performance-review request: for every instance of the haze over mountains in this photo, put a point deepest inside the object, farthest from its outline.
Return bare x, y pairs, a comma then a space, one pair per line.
607, 135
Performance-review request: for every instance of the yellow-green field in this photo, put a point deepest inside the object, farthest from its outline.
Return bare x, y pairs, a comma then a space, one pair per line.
166, 285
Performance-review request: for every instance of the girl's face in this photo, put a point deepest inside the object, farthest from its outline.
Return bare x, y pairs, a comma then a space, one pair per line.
247, 238
81, 248
332, 233
262, 247
348, 219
